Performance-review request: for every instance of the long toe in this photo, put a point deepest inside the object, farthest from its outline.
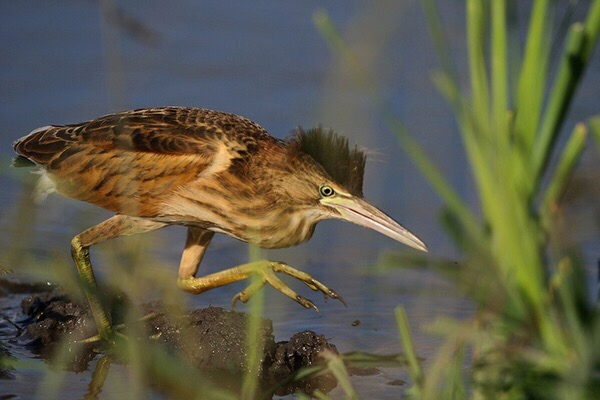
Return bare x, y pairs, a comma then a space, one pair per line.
306, 303
333, 294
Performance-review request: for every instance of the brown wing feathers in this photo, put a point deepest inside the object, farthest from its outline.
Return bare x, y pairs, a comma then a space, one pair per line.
182, 131
169, 130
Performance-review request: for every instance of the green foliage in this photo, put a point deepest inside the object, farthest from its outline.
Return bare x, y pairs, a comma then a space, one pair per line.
535, 332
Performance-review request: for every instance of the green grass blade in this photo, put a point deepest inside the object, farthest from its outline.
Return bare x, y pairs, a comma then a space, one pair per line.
499, 67
414, 367
567, 162
532, 78
317, 395
254, 346
476, 43
444, 378
580, 43
479, 161
594, 124
569, 72
337, 44
339, 371
592, 29
434, 24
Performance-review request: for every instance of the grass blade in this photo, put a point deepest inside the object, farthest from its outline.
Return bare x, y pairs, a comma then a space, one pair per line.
532, 78
414, 367
594, 124
499, 69
580, 43
564, 169
337, 368
476, 39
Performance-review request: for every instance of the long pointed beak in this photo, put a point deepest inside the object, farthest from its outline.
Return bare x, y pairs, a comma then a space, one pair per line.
363, 213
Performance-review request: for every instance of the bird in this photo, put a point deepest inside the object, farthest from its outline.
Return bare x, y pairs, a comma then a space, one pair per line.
212, 172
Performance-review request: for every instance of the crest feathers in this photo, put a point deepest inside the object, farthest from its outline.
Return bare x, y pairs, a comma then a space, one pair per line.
345, 165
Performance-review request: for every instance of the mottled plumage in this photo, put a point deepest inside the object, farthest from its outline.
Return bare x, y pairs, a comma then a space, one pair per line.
212, 172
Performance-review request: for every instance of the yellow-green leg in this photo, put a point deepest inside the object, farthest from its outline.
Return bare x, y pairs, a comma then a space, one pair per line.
118, 225
198, 240
81, 256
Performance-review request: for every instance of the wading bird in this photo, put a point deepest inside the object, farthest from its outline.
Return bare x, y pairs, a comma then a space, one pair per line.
211, 172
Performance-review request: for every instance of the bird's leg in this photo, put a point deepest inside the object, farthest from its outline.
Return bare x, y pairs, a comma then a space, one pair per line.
267, 269
198, 240
118, 225
196, 243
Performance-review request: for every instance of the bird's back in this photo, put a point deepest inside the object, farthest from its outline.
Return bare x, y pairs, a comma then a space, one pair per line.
129, 162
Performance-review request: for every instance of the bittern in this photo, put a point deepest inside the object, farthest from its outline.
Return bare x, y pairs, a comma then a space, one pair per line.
211, 172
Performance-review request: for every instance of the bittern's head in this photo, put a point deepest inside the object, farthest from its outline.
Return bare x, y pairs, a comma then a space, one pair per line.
332, 184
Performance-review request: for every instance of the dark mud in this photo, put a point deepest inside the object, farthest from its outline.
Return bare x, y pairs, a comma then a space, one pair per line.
211, 340
5, 360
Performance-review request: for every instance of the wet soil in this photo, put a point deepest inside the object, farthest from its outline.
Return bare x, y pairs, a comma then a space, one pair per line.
211, 340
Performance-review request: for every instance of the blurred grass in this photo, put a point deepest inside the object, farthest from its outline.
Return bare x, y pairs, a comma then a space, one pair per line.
536, 327
536, 332
250, 389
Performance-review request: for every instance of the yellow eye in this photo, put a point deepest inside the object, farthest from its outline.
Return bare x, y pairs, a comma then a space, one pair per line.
326, 191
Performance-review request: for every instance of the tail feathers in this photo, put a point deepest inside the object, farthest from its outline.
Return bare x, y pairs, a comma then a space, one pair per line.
20, 161
29, 155
44, 187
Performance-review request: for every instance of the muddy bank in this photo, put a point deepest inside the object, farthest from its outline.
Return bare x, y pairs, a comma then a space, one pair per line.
213, 341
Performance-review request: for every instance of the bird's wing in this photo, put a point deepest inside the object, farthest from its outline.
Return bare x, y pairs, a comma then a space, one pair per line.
161, 131
122, 160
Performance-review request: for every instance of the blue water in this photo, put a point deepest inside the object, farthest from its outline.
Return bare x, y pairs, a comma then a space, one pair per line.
64, 62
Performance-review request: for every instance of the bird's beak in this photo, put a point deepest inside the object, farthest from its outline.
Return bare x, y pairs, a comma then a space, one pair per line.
363, 213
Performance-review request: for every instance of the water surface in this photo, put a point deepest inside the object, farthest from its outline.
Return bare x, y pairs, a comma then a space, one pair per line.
68, 61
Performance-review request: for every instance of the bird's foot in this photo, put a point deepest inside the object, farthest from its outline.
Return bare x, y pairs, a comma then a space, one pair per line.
113, 334
267, 270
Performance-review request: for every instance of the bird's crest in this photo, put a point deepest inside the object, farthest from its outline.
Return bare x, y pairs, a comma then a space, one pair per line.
345, 165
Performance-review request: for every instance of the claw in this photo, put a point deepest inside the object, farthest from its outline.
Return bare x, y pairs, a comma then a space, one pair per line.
91, 339
114, 333
113, 336
306, 303
235, 300
333, 294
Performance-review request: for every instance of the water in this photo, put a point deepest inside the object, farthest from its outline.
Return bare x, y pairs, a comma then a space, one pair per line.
64, 62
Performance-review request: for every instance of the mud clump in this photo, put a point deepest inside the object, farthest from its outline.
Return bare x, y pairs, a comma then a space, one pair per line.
302, 350
5, 359
211, 340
